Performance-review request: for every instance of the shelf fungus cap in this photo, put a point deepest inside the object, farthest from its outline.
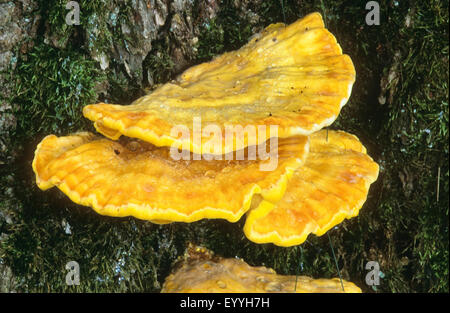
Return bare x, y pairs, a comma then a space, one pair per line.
212, 274
293, 76
332, 185
135, 178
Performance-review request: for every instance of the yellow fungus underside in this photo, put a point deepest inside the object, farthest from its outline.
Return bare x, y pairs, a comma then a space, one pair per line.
332, 185
141, 180
218, 275
293, 76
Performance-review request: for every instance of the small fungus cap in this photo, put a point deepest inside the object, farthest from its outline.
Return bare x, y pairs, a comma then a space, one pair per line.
211, 274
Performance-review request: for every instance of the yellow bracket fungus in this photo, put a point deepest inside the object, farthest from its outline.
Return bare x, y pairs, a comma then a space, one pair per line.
293, 76
331, 185
290, 77
141, 180
202, 272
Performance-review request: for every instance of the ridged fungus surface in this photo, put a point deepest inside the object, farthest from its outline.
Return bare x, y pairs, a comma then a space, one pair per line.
202, 272
293, 76
136, 178
332, 185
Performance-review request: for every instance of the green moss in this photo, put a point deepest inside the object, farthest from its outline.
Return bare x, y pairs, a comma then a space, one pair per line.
211, 41
276, 11
416, 130
226, 32
93, 23
158, 63
52, 86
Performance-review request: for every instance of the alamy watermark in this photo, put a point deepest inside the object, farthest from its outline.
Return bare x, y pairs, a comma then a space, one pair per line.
234, 136
373, 17
374, 275
73, 17
73, 276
